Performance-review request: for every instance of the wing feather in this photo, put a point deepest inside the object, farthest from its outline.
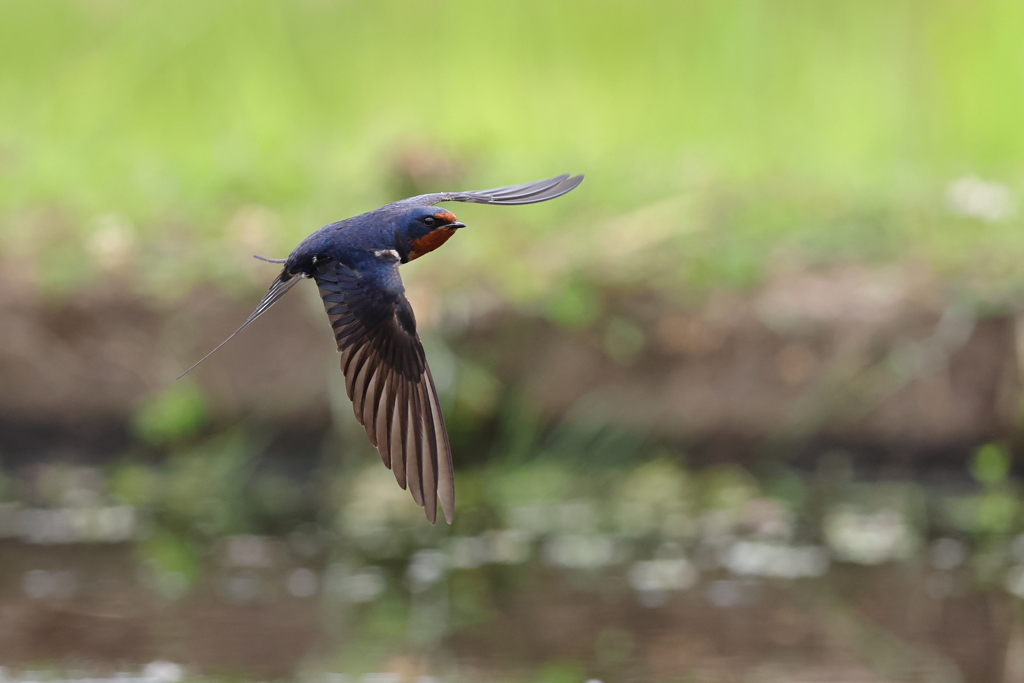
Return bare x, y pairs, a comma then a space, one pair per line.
527, 193
388, 380
444, 469
428, 455
399, 413
380, 421
411, 441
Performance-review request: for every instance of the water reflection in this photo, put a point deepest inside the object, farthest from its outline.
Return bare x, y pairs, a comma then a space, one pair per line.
158, 671
655, 569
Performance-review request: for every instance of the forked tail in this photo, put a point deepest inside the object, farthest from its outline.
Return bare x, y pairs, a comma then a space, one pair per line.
277, 290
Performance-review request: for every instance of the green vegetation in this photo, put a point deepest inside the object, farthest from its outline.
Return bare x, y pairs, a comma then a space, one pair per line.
186, 135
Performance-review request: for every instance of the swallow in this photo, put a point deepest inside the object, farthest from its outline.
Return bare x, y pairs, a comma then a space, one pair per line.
354, 263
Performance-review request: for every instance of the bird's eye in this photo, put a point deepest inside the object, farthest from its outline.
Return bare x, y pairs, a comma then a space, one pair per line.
429, 220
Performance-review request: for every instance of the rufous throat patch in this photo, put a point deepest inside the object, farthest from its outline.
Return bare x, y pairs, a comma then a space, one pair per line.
429, 242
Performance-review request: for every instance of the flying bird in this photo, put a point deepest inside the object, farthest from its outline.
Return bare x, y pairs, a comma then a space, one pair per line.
355, 265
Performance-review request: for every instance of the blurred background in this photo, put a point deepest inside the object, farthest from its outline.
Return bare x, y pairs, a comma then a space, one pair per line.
746, 406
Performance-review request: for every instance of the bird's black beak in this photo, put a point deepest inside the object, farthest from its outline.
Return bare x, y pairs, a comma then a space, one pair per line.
455, 225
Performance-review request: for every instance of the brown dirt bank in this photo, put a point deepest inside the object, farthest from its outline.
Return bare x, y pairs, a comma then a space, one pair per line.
883, 357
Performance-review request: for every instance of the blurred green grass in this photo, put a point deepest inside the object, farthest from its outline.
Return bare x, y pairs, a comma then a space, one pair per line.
831, 129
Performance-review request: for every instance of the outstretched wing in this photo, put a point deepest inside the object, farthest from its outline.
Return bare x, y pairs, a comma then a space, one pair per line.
528, 193
387, 378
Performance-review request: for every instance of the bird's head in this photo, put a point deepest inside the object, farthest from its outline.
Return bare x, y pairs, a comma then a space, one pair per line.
425, 228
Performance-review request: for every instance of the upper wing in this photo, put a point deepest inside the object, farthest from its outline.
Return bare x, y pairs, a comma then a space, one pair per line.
387, 378
528, 193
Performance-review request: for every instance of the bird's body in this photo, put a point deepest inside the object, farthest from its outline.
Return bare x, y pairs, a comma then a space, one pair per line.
355, 265
393, 226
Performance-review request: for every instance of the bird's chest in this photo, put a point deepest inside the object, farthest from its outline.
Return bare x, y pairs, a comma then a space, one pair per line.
429, 242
